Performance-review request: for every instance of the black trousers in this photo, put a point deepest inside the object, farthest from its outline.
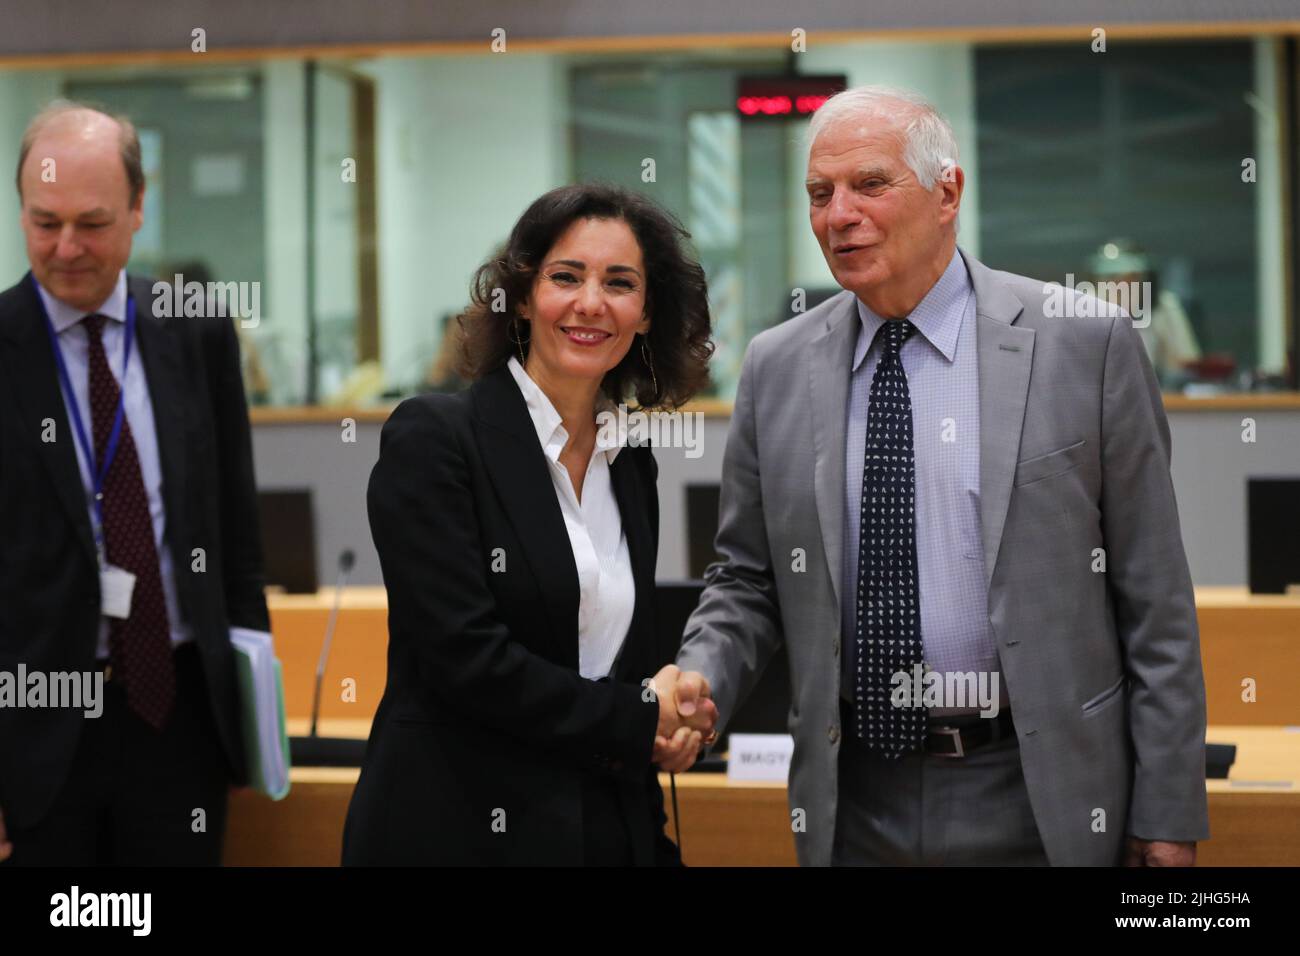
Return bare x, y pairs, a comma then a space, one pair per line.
134, 794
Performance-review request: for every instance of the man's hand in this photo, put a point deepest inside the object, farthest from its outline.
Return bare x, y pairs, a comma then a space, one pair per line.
6, 848
1158, 853
686, 716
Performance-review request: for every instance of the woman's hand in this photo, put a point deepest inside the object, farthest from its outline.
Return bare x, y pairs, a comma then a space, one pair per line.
6, 848
687, 717
678, 754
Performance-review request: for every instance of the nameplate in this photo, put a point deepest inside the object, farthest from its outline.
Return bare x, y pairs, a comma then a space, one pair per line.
759, 757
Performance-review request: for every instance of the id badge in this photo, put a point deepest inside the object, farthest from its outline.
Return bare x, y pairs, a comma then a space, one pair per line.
115, 587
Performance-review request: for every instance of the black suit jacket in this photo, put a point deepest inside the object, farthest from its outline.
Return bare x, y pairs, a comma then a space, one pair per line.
485, 719
49, 585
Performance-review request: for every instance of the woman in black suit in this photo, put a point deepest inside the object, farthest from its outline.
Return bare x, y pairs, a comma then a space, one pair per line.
518, 542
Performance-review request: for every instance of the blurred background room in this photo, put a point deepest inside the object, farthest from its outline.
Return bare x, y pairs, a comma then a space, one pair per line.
359, 162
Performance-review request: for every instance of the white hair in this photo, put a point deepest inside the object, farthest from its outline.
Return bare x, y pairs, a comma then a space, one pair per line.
929, 146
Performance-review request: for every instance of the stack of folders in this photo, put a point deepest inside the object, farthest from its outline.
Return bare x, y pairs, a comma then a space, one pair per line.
261, 700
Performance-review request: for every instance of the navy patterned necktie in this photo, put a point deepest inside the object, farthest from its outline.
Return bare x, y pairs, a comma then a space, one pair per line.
888, 636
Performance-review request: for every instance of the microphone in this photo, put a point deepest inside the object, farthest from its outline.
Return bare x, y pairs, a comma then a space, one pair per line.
314, 750
346, 559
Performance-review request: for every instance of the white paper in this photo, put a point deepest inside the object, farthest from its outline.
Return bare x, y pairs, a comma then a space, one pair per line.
115, 588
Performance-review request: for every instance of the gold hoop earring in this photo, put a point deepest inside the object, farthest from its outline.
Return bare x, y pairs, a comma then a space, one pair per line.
646, 357
514, 326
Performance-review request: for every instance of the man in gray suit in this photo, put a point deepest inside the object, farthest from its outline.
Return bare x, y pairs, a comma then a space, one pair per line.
954, 473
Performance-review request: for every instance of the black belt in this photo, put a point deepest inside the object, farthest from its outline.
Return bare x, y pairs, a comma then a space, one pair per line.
958, 735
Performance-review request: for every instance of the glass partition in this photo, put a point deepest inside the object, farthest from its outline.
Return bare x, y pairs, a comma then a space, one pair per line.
360, 193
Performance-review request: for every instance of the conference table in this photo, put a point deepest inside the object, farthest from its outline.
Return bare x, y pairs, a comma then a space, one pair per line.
1250, 646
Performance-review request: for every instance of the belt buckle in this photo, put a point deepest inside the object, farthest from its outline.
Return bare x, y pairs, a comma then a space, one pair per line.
955, 733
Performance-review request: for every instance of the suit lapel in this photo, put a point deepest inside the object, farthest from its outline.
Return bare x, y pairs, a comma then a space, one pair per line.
32, 369
828, 367
518, 470
629, 490
1006, 354
168, 394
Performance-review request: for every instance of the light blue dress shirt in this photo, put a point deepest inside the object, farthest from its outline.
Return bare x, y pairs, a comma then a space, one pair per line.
942, 371
75, 345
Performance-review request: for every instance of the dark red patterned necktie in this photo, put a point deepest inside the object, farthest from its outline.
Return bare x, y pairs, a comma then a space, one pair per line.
140, 647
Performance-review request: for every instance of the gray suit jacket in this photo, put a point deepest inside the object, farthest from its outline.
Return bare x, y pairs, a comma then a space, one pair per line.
1103, 670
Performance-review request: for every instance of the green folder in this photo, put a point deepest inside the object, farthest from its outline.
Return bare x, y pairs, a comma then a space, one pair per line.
261, 712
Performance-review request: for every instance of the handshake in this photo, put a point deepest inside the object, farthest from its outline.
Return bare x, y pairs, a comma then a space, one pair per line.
687, 717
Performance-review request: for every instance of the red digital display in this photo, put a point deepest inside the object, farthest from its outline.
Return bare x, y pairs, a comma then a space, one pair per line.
779, 97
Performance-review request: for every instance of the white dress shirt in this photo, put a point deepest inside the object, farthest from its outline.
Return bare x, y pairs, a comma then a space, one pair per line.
75, 345
606, 591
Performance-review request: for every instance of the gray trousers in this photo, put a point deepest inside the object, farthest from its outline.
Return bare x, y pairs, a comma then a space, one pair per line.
926, 810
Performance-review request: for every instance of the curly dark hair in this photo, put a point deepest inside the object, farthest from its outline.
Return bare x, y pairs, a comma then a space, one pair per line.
677, 299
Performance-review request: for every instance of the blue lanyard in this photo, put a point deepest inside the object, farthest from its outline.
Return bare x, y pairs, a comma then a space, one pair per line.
98, 474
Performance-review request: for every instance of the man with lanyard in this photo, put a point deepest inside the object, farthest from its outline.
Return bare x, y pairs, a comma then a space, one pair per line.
130, 526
